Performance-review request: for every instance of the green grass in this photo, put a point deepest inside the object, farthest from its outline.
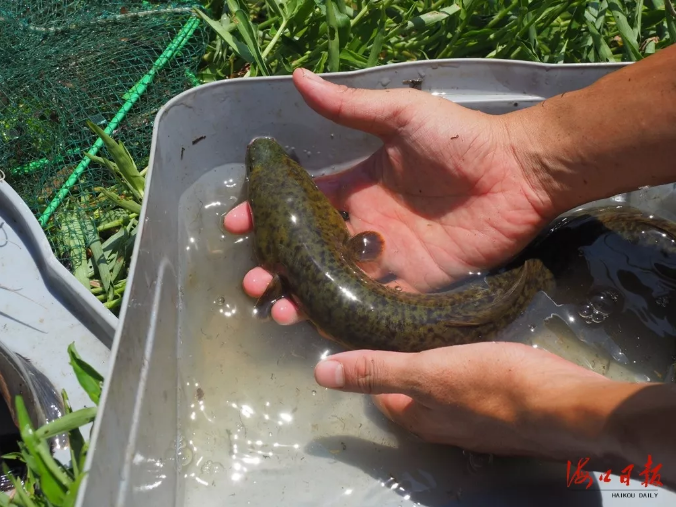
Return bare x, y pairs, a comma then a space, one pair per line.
50, 483
274, 37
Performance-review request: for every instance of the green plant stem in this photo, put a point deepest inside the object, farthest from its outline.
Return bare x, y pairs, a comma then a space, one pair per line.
361, 14
116, 223
116, 292
268, 22
445, 53
66, 423
115, 303
274, 40
504, 12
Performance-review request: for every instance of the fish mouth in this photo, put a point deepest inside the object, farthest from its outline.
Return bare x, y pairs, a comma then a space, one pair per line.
261, 150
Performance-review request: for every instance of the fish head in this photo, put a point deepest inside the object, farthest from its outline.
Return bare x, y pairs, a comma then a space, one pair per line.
262, 153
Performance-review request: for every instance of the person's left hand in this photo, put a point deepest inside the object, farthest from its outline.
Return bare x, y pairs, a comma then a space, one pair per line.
501, 398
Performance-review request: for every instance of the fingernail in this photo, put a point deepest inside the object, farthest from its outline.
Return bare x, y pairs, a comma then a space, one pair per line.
312, 76
330, 374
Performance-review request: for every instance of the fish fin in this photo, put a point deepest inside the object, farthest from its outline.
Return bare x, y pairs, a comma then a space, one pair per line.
508, 298
273, 293
366, 246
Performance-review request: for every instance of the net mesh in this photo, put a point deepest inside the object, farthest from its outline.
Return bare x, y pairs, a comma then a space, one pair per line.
63, 62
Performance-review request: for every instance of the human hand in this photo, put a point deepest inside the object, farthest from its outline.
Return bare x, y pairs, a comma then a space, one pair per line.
501, 398
445, 190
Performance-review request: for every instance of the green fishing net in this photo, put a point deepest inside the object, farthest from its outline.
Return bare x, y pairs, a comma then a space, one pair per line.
66, 62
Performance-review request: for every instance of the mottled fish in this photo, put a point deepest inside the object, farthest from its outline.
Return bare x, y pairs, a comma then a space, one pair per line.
304, 242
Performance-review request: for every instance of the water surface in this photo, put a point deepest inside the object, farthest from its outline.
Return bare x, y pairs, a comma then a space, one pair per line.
256, 429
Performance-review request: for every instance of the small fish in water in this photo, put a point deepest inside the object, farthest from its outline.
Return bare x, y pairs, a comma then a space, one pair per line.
18, 376
304, 242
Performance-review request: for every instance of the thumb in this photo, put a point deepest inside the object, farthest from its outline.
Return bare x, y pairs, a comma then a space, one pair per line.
370, 372
377, 112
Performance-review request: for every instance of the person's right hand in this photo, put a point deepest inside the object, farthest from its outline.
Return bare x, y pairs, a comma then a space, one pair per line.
446, 190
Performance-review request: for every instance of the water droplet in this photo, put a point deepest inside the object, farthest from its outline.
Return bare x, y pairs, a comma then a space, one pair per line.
531, 327
270, 434
220, 301
212, 467
397, 288
598, 317
185, 457
385, 81
314, 393
585, 311
206, 468
603, 303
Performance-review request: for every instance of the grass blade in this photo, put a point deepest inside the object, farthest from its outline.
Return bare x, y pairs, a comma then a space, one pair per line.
237, 46
670, 18
71, 495
343, 22
626, 32
22, 499
378, 41
321, 63
467, 10
71, 232
67, 423
600, 44
274, 7
54, 482
129, 205
248, 33
114, 245
354, 59
93, 241
637, 19
122, 159
90, 379
75, 439
112, 167
333, 35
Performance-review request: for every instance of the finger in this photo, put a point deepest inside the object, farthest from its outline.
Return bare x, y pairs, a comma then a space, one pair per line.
404, 411
238, 220
370, 372
377, 112
284, 311
256, 281
392, 404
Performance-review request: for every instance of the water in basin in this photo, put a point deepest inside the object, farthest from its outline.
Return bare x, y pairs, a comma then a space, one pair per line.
256, 429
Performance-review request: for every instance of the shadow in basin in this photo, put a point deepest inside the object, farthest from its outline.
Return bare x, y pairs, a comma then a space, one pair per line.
440, 476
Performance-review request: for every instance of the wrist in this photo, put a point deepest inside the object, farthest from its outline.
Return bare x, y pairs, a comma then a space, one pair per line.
610, 421
608, 138
573, 414
553, 160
